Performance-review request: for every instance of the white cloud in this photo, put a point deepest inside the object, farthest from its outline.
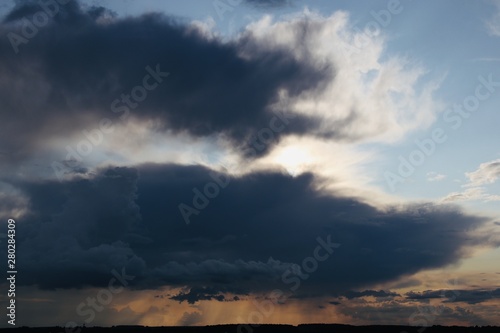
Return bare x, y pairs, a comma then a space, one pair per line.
205, 27
487, 173
339, 167
435, 177
471, 194
372, 97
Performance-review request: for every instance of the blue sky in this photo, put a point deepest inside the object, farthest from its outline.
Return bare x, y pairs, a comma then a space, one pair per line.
255, 128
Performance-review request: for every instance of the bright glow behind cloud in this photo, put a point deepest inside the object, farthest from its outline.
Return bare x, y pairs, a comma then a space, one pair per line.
370, 98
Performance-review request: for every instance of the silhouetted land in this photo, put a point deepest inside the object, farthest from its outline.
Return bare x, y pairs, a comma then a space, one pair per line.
305, 328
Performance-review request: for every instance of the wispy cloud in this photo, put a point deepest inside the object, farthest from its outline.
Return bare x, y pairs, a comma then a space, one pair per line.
487, 173
435, 177
471, 194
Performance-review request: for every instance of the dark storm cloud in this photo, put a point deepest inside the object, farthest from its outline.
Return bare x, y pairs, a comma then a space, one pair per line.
357, 294
80, 231
244, 241
197, 294
21, 9
66, 77
473, 296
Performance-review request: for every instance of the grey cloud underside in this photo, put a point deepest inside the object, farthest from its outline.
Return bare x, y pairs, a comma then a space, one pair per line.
196, 294
242, 242
421, 317
472, 296
351, 294
67, 76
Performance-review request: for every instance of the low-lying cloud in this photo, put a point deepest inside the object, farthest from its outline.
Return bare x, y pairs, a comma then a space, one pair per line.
242, 242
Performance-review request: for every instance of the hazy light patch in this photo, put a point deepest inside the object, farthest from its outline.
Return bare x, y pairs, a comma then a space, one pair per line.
294, 159
481, 262
134, 143
13, 204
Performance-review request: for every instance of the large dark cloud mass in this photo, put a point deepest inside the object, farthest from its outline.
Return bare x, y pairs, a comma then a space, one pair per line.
246, 235
67, 75
243, 241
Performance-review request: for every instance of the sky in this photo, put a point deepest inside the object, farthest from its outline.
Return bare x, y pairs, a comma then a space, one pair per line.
251, 161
